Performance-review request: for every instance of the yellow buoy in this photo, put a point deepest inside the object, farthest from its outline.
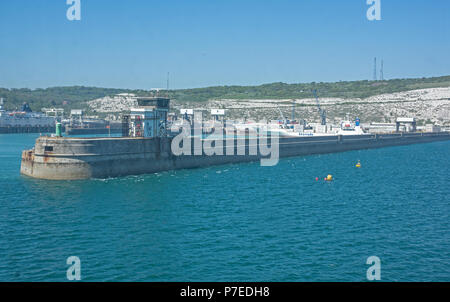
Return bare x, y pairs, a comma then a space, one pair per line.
329, 177
358, 165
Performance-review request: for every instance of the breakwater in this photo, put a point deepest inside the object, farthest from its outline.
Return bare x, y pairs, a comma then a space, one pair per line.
62, 158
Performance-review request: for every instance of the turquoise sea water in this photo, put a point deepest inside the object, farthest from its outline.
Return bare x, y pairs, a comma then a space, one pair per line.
235, 222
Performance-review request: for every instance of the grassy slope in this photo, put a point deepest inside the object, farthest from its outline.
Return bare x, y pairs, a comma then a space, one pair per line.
76, 96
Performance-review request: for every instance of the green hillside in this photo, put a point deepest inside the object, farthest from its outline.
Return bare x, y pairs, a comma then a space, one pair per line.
76, 96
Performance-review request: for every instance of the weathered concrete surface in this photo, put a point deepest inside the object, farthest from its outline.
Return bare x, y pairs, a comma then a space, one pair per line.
80, 158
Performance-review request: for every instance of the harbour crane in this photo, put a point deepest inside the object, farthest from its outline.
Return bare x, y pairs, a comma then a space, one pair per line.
281, 114
322, 112
285, 121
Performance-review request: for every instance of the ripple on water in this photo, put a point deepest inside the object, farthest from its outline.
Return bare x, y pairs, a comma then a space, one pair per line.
235, 222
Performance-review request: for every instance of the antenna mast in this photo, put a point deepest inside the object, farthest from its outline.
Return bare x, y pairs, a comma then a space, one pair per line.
168, 84
375, 69
382, 71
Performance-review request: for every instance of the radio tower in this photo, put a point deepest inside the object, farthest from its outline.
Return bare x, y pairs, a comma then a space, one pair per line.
168, 84
375, 69
381, 72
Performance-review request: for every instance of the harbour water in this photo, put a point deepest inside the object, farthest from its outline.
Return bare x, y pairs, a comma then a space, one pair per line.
238, 222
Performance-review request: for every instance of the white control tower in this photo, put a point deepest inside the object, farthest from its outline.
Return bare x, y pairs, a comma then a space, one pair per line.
149, 119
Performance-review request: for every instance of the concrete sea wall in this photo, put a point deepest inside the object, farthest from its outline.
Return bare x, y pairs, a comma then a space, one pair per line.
80, 158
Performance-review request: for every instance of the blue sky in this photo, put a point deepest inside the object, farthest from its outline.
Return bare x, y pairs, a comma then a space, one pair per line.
134, 43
